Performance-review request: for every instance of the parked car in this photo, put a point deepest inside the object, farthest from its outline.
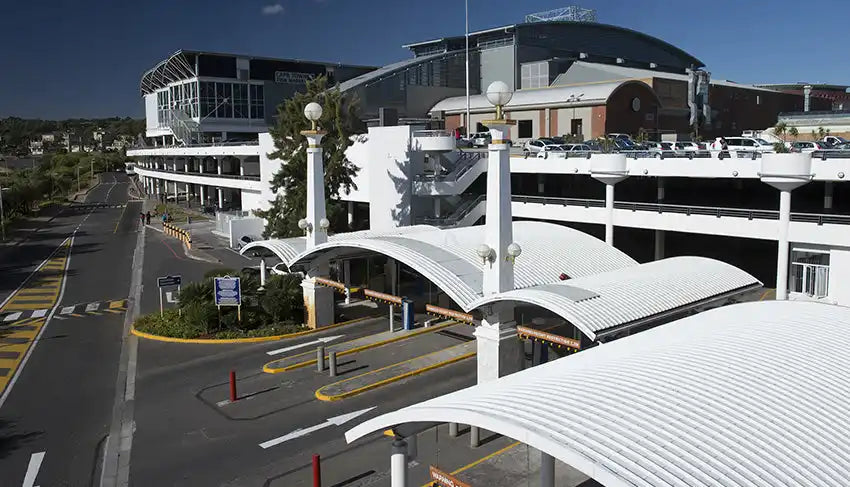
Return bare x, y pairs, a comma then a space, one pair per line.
809, 146
479, 139
245, 240
658, 149
534, 146
748, 144
593, 144
620, 136
834, 140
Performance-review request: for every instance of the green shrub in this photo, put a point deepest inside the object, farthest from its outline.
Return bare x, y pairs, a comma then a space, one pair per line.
200, 315
220, 272
196, 293
170, 324
283, 299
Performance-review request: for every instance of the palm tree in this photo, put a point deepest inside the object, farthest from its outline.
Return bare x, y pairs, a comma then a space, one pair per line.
780, 130
793, 132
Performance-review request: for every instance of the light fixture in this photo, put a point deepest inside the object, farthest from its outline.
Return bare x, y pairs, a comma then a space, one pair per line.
303, 224
499, 94
324, 223
513, 251
485, 252
313, 112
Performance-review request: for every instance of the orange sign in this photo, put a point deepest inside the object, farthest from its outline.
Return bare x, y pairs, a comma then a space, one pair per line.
382, 296
549, 337
329, 283
445, 480
430, 308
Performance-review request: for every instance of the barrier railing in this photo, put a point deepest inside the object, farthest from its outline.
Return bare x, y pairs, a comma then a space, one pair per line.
178, 233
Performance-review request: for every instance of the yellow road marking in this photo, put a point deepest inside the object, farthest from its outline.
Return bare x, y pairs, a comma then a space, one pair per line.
477, 462
117, 304
119, 219
14, 353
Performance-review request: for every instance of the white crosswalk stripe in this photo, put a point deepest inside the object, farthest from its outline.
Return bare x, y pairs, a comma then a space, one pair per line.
67, 310
13, 316
40, 313
92, 307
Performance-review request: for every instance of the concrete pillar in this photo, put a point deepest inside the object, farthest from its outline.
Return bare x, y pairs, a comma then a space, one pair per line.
453, 430
474, 437
398, 464
220, 198
782, 254
176, 200
609, 213
437, 206
218, 166
807, 95
203, 195
659, 234
391, 270
498, 231
318, 300
241, 166
262, 272
827, 195
547, 470
500, 351
346, 279
350, 214
315, 189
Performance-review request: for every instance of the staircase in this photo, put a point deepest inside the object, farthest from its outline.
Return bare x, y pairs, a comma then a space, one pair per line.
185, 130
469, 211
467, 168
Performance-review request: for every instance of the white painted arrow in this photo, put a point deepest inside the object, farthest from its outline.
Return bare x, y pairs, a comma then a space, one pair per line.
335, 421
302, 345
170, 297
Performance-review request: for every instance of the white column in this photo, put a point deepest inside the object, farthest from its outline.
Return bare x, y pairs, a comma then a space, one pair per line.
346, 279
782, 254
176, 200
500, 352
609, 213
350, 214
220, 198
437, 206
315, 189
242, 166
218, 166
398, 464
547, 470
498, 231
262, 272
391, 270
203, 195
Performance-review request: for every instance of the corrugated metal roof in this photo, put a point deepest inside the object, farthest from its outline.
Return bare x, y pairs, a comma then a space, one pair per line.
586, 94
447, 257
287, 248
630, 294
751, 394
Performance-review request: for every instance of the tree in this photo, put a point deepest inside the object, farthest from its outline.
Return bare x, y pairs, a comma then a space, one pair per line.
793, 132
780, 129
340, 121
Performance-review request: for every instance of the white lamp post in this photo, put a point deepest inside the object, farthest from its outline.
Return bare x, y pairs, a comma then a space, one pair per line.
315, 180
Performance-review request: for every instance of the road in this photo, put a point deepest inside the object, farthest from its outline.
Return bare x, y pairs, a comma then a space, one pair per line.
58, 407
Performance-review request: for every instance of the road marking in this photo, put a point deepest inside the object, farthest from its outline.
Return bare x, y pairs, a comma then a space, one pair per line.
119, 218
92, 307
479, 461
67, 310
32, 469
12, 317
335, 421
302, 345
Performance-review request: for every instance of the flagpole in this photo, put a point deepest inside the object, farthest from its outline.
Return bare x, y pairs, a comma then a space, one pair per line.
467, 70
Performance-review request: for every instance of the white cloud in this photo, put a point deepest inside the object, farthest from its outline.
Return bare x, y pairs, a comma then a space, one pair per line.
274, 9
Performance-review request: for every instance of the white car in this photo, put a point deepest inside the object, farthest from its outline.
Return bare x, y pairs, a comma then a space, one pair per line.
809, 146
658, 149
834, 140
537, 145
479, 139
748, 144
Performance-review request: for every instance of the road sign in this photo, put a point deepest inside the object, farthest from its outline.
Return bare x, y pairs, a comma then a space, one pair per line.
444, 479
228, 291
169, 281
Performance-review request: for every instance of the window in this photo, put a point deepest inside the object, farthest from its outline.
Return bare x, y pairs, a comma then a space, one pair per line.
524, 129
240, 101
257, 102
810, 272
162, 108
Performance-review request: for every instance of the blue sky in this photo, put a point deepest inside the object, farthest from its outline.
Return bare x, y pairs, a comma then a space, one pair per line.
84, 58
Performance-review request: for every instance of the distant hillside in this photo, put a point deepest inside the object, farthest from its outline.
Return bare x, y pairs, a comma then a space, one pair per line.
16, 133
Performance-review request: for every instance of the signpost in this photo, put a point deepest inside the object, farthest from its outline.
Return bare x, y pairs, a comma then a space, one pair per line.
168, 281
228, 292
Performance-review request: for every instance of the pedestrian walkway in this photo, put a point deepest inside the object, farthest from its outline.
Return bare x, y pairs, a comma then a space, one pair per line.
35, 301
353, 346
41, 290
396, 372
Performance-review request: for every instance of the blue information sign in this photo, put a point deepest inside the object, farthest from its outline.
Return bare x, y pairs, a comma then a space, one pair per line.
228, 291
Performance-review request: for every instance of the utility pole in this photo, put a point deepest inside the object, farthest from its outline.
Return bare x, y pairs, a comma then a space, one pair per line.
79, 189
2, 217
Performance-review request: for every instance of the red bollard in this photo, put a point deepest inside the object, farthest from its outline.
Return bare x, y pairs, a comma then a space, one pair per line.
317, 471
233, 386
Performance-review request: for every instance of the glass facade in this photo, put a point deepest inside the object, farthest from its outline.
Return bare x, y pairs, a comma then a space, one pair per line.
212, 99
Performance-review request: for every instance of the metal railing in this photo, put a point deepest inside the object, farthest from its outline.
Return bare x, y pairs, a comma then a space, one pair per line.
454, 217
433, 133
183, 127
247, 177
718, 212
204, 144
465, 162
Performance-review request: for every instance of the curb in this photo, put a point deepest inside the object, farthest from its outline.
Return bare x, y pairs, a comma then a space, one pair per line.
272, 370
225, 341
390, 380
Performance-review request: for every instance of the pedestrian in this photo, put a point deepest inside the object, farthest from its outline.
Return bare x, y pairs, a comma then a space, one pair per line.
142, 218
148, 218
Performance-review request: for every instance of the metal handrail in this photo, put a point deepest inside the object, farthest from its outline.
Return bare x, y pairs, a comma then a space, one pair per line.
247, 177
205, 144
433, 133
718, 212
456, 173
460, 212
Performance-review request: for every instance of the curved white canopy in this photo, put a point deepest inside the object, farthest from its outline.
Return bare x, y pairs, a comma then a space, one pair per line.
447, 257
751, 394
611, 299
287, 249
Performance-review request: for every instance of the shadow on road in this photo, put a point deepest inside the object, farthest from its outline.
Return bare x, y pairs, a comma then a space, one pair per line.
10, 441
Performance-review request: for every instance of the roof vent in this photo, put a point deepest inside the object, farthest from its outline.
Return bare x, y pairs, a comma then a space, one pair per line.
620, 60
652, 65
582, 55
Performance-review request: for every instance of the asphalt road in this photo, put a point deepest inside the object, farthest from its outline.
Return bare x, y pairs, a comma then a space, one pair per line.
60, 404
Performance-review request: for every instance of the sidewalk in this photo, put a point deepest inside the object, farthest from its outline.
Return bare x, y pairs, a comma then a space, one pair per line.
353, 346
396, 372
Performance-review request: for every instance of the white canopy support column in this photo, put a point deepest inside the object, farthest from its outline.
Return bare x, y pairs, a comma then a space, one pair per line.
609, 169
547, 470
659, 234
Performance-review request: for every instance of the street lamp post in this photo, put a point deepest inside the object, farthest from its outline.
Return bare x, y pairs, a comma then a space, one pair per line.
2, 217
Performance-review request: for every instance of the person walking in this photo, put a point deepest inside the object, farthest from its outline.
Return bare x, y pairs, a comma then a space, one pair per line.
142, 218
148, 218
